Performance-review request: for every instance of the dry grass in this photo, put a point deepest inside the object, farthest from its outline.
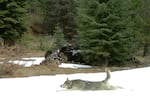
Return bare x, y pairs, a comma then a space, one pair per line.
7, 70
11, 51
38, 70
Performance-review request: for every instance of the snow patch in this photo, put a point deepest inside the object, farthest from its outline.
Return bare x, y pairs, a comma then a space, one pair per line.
1, 62
75, 66
27, 62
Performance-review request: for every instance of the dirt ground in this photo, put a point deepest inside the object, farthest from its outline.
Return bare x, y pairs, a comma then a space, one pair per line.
10, 71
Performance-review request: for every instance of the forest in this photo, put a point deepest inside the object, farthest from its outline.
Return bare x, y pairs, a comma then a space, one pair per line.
106, 31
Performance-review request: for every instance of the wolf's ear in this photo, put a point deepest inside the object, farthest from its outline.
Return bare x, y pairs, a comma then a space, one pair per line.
67, 79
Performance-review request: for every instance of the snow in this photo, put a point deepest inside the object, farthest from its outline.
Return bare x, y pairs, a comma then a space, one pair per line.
27, 62
75, 66
45, 91
1, 62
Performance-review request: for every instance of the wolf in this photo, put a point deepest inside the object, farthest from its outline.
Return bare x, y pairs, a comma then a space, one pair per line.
79, 84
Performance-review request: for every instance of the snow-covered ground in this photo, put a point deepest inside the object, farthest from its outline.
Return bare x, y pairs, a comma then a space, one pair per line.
45, 91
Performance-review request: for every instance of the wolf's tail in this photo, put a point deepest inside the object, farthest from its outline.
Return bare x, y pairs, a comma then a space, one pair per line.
107, 70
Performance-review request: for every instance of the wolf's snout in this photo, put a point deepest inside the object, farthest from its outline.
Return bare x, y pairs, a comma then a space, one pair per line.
61, 86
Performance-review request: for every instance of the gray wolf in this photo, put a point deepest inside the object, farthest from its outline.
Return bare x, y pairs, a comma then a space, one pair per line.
79, 84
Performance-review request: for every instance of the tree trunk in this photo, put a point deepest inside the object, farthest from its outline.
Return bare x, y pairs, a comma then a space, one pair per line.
145, 50
1, 42
8, 42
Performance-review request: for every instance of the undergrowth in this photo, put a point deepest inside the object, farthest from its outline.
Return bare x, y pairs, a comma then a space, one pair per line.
42, 43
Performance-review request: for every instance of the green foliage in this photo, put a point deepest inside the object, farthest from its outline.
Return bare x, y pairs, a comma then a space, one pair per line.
37, 42
145, 25
109, 30
11, 20
140, 18
104, 31
59, 39
60, 13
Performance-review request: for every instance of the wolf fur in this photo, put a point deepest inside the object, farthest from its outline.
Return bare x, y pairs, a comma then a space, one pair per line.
79, 84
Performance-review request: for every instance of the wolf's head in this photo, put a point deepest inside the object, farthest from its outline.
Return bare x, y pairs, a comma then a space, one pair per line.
67, 84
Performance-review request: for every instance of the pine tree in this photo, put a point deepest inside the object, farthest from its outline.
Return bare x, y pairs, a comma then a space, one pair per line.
68, 18
144, 28
103, 30
59, 39
11, 20
61, 13
141, 25
51, 12
35, 16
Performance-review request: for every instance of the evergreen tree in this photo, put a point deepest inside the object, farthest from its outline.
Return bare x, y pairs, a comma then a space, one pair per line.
103, 30
68, 18
11, 20
35, 13
61, 13
59, 38
51, 14
141, 24
144, 28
